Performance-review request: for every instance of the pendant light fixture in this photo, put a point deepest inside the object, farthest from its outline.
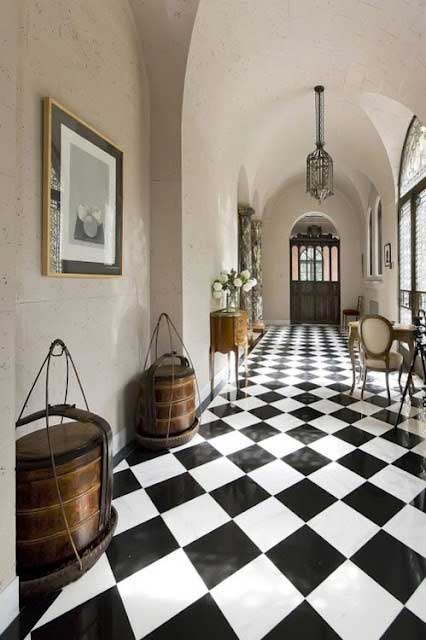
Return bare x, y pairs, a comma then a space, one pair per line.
319, 165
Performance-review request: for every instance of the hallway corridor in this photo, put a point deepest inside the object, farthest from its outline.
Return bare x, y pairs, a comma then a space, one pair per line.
297, 512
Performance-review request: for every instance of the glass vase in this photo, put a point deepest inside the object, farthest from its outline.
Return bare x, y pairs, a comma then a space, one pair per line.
233, 300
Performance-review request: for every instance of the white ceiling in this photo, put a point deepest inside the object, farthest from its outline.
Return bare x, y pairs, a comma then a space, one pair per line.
251, 71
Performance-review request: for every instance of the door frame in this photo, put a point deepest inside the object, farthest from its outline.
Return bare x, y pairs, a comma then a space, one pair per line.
304, 240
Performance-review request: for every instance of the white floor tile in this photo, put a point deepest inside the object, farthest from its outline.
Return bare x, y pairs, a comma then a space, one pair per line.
256, 390
383, 449
197, 439
344, 528
241, 420
287, 404
324, 392
97, 580
280, 445
133, 509
276, 476
160, 591
409, 526
332, 447
268, 523
195, 518
354, 604
420, 449
325, 406
230, 442
284, 422
336, 479
158, 469
399, 483
364, 407
256, 598
417, 602
122, 466
373, 426
251, 402
329, 424
216, 473
208, 416
289, 392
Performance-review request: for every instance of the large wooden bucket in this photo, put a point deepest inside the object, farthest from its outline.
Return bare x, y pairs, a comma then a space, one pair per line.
42, 537
167, 407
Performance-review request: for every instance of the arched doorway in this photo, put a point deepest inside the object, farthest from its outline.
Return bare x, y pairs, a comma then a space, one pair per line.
314, 271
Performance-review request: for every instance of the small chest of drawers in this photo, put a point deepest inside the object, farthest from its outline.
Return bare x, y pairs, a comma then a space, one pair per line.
228, 332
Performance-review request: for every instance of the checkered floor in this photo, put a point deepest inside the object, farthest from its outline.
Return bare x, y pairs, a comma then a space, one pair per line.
297, 512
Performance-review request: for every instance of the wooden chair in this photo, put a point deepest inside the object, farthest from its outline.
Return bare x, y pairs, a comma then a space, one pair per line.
376, 338
352, 313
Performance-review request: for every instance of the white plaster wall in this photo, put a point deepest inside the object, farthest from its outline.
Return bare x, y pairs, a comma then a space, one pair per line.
279, 218
85, 55
8, 35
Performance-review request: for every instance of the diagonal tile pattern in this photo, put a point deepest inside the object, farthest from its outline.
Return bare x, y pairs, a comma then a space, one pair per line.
296, 508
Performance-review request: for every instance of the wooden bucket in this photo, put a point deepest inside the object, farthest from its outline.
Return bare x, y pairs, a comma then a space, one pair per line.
167, 406
42, 537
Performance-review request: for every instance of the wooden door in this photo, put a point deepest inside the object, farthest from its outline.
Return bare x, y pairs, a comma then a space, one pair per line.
314, 280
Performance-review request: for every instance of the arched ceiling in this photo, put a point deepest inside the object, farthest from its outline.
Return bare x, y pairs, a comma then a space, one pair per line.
251, 71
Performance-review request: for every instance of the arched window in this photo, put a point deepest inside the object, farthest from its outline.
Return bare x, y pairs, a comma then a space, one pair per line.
379, 238
412, 222
371, 247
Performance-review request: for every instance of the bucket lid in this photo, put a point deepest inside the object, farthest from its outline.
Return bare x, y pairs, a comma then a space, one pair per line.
69, 440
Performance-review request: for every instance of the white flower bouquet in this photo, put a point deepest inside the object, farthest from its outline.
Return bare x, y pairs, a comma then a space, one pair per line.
231, 283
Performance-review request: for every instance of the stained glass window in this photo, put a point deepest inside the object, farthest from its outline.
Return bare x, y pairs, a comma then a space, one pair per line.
421, 242
379, 239
318, 264
295, 262
413, 165
326, 262
334, 264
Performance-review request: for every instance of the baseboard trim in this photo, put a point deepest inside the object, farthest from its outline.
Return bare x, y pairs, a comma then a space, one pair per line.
279, 323
9, 604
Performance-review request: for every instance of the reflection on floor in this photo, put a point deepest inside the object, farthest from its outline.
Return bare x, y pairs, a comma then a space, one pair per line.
297, 512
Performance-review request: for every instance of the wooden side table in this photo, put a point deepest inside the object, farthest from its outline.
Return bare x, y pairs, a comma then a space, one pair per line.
228, 332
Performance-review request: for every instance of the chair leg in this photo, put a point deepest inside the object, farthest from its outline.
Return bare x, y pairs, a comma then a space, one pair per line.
364, 383
400, 378
387, 386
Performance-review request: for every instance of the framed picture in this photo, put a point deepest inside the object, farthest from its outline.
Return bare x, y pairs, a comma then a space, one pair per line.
388, 255
82, 198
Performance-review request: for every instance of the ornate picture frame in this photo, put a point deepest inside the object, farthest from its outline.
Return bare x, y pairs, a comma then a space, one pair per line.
82, 198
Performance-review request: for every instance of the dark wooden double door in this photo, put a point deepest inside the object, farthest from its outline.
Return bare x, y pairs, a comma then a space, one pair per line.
314, 280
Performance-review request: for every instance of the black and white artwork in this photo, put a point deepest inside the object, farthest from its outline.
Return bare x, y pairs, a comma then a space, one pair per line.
83, 198
388, 255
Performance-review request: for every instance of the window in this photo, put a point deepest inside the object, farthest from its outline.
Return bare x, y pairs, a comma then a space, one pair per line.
412, 223
317, 262
379, 239
371, 252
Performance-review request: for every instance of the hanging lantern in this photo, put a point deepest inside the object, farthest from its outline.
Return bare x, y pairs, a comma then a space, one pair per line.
319, 164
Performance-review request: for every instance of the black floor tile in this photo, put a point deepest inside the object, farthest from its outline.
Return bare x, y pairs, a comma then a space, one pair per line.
251, 458
235, 394
307, 414
420, 501
201, 618
174, 491
213, 429
239, 495
124, 482
387, 560
380, 401
306, 499
225, 410
374, 503
343, 399
138, 547
29, 614
198, 454
388, 416
260, 431
221, 553
362, 463
347, 415
265, 412
101, 617
354, 436
306, 460
413, 463
306, 398
339, 387
303, 622
270, 396
306, 433
401, 437
406, 626
139, 455
306, 559
307, 386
